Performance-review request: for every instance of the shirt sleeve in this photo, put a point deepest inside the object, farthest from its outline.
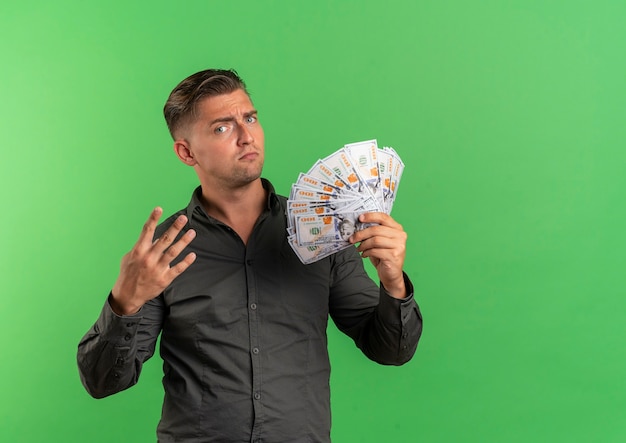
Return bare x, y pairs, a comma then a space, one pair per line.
111, 354
387, 330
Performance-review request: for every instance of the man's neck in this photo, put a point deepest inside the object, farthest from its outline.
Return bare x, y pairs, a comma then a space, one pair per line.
238, 207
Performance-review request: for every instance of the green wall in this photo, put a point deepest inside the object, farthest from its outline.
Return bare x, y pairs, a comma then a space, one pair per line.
509, 116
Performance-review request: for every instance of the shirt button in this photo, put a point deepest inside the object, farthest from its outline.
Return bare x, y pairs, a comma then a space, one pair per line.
257, 396
253, 306
249, 262
127, 337
130, 325
255, 350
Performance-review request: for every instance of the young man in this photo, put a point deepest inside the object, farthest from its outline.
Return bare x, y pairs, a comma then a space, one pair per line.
242, 320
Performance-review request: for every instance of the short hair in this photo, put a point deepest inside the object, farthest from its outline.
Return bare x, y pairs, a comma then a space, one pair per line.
182, 103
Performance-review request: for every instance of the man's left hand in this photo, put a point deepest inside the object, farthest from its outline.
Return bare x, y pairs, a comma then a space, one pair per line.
385, 246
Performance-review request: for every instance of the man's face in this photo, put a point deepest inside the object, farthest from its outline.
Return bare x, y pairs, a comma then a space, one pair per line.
226, 141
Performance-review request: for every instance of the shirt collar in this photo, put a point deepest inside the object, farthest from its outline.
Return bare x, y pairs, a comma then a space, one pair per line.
272, 204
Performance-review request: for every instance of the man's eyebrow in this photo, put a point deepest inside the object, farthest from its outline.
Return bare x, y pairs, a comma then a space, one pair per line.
231, 118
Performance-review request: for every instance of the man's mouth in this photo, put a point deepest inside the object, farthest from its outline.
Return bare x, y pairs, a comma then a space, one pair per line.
249, 156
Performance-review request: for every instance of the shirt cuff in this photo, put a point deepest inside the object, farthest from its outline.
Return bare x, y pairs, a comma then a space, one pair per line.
118, 328
390, 306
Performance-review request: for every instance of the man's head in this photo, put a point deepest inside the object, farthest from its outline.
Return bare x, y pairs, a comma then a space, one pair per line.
216, 130
181, 107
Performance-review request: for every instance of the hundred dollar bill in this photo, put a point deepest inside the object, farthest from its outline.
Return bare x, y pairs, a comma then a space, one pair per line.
308, 181
326, 206
360, 205
334, 228
312, 253
365, 160
385, 166
313, 207
305, 193
323, 172
317, 207
340, 164
397, 167
336, 205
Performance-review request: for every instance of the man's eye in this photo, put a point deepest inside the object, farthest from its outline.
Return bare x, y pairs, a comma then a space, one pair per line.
220, 129
251, 119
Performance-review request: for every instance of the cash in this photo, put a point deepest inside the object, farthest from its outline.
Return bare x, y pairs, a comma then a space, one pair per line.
325, 203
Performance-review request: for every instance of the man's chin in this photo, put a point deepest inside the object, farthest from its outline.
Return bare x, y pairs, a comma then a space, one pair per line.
247, 178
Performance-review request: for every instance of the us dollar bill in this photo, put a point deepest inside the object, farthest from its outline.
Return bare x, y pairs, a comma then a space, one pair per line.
312, 253
309, 181
325, 173
339, 162
327, 228
365, 161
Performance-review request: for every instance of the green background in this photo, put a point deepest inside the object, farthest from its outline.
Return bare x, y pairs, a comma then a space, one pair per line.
509, 116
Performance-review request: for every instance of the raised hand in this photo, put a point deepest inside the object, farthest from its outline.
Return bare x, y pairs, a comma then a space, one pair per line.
146, 269
385, 245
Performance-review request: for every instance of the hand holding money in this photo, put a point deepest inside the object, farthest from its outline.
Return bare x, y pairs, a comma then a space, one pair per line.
384, 243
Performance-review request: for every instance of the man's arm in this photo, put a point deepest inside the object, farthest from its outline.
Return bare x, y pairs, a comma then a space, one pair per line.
111, 354
384, 322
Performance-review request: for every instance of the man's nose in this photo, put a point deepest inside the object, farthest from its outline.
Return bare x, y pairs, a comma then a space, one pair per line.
245, 135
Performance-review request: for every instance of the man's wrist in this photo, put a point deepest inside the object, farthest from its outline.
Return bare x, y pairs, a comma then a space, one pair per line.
121, 309
396, 290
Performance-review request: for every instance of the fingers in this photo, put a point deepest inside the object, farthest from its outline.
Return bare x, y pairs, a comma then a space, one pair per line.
384, 226
162, 251
379, 218
384, 248
147, 232
166, 239
181, 266
171, 253
385, 245
386, 240
146, 269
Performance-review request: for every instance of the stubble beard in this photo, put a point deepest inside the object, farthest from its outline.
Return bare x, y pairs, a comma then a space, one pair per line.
241, 177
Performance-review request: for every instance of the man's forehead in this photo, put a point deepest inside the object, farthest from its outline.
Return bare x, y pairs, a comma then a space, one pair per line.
233, 103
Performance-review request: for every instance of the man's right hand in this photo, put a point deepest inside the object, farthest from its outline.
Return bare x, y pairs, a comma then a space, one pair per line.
145, 270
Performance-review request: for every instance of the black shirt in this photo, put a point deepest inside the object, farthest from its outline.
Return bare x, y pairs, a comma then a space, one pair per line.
243, 334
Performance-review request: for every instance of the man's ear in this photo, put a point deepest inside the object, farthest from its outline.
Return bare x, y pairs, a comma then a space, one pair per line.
181, 148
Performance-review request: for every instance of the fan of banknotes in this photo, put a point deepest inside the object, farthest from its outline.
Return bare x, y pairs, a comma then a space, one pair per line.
325, 203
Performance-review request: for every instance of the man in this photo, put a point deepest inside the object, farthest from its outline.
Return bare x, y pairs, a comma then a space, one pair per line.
242, 320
